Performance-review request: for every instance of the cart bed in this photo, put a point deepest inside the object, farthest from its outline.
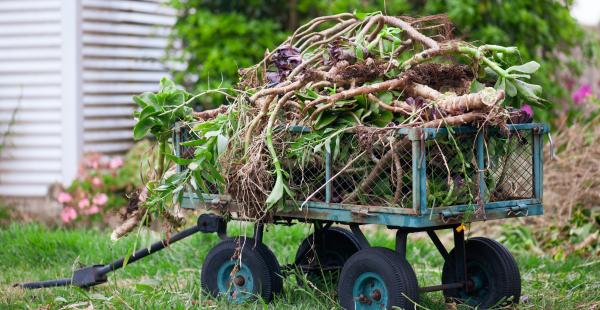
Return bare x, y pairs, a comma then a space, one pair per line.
511, 185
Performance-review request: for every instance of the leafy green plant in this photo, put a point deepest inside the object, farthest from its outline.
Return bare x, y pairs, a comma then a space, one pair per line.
158, 115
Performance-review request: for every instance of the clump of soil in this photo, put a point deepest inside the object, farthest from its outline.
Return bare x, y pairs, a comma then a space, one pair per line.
455, 78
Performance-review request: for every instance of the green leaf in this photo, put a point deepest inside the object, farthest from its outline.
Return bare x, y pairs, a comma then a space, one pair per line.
528, 89
142, 127
277, 192
383, 118
178, 160
360, 54
476, 86
147, 112
387, 97
222, 142
325, 120
361, 15
500, 84
511, 89
529, 67
167, 86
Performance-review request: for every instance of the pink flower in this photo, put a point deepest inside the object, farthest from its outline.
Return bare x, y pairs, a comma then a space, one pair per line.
116, 163
96, 182
68, 214
527, 109
64, 197
582, 93
93, 210
100, 199
83, 203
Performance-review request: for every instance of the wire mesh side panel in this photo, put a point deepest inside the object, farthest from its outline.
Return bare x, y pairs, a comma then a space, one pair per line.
307, 178
451, 170
509, 174
181, 136
377, 172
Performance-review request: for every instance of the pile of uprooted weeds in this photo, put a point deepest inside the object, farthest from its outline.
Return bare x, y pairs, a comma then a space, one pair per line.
344, 75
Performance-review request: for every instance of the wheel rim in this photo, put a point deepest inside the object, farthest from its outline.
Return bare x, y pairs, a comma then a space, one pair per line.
478, 281
369, 292
235, 281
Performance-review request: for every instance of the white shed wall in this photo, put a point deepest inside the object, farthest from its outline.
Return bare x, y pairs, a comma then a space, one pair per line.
70, 68
123, 43
31, 82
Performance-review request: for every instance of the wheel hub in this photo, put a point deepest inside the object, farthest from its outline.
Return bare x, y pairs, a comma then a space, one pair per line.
376, 295
370, 291
235, 281
239, 281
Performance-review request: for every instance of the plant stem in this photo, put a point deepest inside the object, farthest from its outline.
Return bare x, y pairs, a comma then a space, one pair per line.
271, 200
162, 147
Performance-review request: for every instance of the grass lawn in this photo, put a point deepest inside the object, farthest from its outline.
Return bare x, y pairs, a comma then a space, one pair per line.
171, 278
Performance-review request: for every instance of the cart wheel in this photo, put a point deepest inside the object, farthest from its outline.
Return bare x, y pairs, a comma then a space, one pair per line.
274, 267
492, 275
222, 273
377, 278
325, 252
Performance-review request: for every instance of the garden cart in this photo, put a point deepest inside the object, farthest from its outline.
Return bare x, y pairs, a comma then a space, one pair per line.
478, 271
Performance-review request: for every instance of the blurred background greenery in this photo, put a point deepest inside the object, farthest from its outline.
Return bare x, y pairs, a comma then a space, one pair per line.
543, 31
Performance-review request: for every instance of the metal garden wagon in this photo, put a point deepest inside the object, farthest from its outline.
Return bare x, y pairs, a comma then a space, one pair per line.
477, 271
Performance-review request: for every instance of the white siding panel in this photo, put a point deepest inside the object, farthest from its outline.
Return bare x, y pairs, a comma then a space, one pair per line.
134, 6
29, 78
30, 84
29, 53
27, 90
119, 88
24, 17
11, 103
91, 100
19, 6
110, 123
33, 153
122, 76
123, 64
30, 29
121, 111
28, 178
29, 190
29, 66
32, 115
37, 128
123, 44
37, 41
119, 40
108, 147
40, 141
128, 29
122, 52
20, 165
126, 17
94, 136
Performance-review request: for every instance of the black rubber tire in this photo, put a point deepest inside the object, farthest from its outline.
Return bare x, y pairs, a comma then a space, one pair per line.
274, 267
505, 283
333, 247
398, 275
251, 257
